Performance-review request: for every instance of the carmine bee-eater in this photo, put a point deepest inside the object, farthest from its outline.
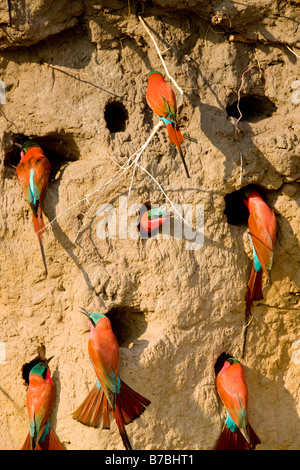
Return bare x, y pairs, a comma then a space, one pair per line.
262, 232
151, 220
110, 394
161, 99
33, 173
40, 400
237, 434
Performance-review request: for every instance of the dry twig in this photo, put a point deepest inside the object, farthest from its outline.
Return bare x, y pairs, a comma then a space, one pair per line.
132, 160
239, 96
162, 60
293, 52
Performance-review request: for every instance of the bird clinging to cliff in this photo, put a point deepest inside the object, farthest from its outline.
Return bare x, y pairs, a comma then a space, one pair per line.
110, 394
33, 173
236, 434
151, 219
262, 232
161, 99
40, 400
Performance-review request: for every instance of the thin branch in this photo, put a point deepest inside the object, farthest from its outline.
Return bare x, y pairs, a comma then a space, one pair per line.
172, 80
162, 190
241, 168
244, 333
132, 160
132, 178
293, 52
239, 97
82, 80
85, 198
161, 58
8, 120
122, 170
159, 186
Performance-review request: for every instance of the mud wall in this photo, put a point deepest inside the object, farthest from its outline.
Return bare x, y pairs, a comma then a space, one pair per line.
75, 74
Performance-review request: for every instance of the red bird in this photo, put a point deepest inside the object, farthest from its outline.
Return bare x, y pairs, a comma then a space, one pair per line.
110, 394
40, 400
33, 173
262, 227
161, 99
237, 434
151, 220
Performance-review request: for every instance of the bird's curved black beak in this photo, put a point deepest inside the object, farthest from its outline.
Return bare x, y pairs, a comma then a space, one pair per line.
85, 312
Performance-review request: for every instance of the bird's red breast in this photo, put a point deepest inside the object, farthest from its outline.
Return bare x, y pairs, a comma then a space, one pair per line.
34, 159
262, 226
159, 92
104, 351
232, 389
147, 226
40, 397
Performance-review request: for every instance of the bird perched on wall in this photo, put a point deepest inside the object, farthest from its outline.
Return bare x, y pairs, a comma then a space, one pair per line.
151, 220
40, 400
236, 434
110, 394
161, 99
33, 173
262, 232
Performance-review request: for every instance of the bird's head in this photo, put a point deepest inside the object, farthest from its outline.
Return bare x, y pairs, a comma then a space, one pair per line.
28, 144
224, 361
154, 71
93, 317
41, 368
250, 194
24, 147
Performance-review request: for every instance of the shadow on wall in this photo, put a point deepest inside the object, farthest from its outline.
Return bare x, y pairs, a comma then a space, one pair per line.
128, 325
70, 48
261, 413
220, 132
287, 243
272, 408
286, 238
217, 123
61, 149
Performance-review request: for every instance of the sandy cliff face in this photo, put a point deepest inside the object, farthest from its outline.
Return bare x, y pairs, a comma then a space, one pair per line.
75, 75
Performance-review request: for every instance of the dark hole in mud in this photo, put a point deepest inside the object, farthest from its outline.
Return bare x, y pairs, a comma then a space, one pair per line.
236, 210
115, 115
253, 108
220, 362
127, 324
26, 368
58, 148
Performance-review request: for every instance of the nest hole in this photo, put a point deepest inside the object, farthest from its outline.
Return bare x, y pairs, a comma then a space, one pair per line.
127, 324
220, 362
253, 108
116, 116
58, 148
26, 368
236, 210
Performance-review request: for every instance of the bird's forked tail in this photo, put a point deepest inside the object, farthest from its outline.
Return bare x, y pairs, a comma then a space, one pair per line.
176, 138
254, 291
129, 406
46, 440
229, 440
39, 228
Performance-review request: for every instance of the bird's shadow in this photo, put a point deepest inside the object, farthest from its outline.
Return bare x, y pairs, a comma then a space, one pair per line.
50, 203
